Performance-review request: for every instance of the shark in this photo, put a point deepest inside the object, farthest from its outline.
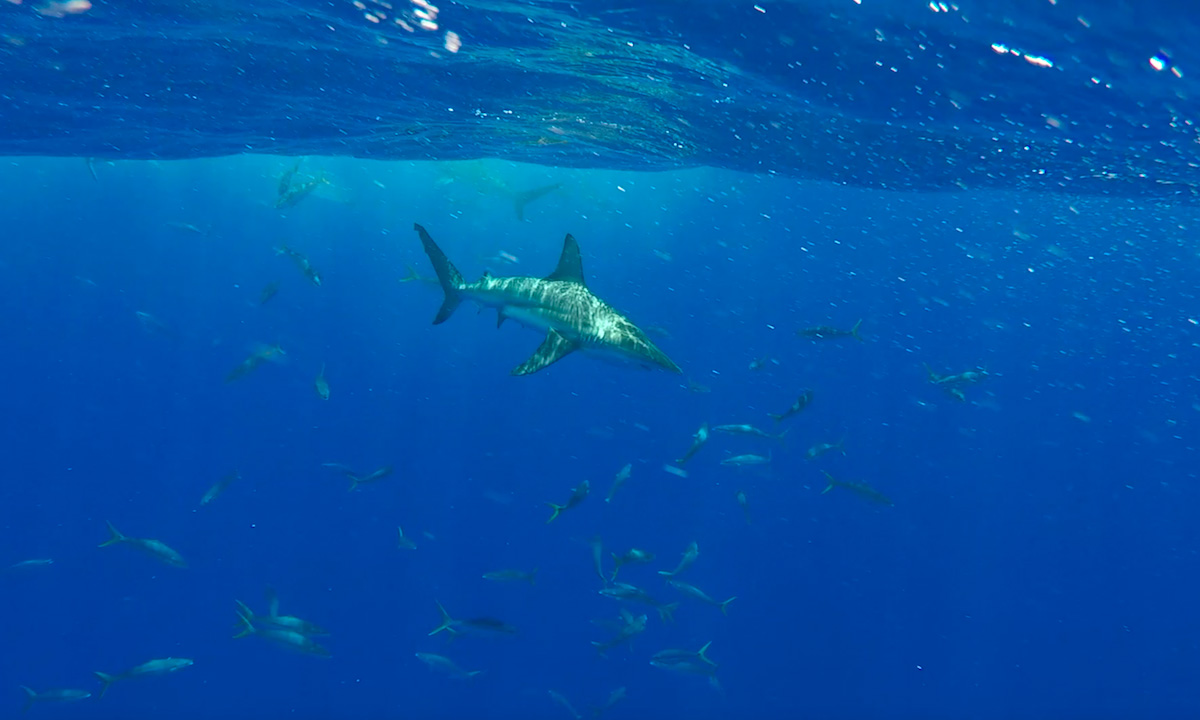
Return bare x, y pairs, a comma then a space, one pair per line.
559, 304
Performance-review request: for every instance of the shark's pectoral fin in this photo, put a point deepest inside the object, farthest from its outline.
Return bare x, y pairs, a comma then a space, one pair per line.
500, 318
554, 348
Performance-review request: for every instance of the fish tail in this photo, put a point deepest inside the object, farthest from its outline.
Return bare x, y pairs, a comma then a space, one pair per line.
243, 610
30, 698
533, 577
782, 435
666, 613
776, 418
854, 331
523, 199
412, 274
557, 511
247, 623
830, 482
725, 605
703, 650
114, 536
106, 679
354, 481
473, 674
447, 621
448, 276
599, 648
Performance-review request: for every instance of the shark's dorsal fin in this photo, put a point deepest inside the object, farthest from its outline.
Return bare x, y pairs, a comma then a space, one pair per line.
554, 348
570, 266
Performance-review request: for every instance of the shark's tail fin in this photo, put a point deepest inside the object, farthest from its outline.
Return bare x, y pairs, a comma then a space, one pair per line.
447, 275
854, 331
30, 698
522, 199
106, 679
447, 621
557, 511
114, 536
247, 626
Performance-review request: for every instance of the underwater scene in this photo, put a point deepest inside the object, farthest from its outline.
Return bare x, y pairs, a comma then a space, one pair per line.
542, 359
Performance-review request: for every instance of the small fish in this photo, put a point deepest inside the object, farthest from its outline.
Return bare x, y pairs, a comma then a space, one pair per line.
749, 430
759, 363
824, 332
153, 325
446, 666
689, 556
597, 546
480, 625
802, 402
953, 385
31, 563
272, 353
745, 505
219, 487
290, 639
631, 593
161, 666
624, 630
63, 695
614, 697
186, 227
687, 662
512, 576
403, 542
294, 194
321, 385
820, 449
285, 180
301, 262
746, 460
374, 476
699, 389
967, 377
633, 557
578, 495
558, 698
621, 476
860, 489
695, 592
287, 622
414, 276
698, 439
269, 291
154, 548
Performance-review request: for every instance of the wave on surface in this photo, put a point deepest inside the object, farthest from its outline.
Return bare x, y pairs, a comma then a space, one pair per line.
942, 96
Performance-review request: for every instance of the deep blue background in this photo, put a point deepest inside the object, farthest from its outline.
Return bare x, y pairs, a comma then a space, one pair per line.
1039, 560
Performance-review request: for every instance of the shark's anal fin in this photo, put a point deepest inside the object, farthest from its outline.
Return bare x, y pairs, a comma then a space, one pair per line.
570, 266
554, 348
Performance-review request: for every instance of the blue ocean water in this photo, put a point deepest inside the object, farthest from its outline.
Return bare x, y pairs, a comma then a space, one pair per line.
1037, 559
